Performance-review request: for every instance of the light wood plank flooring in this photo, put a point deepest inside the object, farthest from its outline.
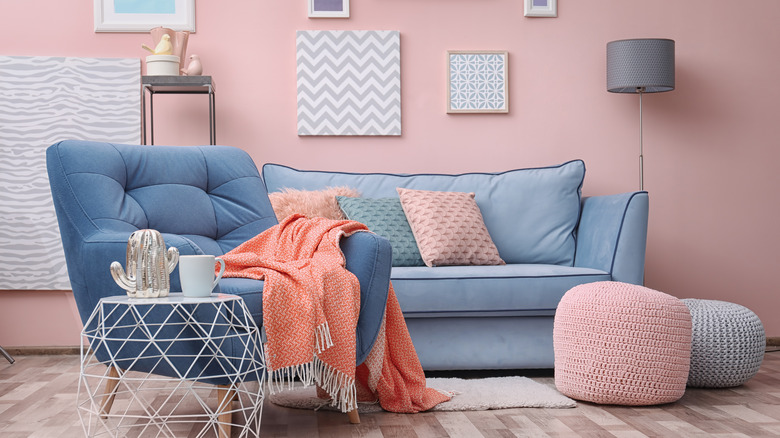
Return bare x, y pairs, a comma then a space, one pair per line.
38, 399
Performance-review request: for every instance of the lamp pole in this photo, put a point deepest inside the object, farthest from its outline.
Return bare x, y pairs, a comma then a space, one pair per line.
641, 91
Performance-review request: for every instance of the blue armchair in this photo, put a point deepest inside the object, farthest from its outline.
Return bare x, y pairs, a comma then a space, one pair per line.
204, 200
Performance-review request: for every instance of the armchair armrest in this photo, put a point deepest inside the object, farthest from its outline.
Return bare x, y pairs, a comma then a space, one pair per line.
369, 257
612, 235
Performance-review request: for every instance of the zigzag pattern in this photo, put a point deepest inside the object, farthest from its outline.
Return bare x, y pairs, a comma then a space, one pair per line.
349, 82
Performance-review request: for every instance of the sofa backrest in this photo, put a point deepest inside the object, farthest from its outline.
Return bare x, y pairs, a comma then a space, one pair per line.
212, 195
531, 214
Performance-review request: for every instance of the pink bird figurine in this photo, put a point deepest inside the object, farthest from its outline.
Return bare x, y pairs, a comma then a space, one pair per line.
195, 68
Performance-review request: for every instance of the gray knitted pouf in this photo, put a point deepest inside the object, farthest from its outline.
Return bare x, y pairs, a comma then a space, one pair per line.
728, 343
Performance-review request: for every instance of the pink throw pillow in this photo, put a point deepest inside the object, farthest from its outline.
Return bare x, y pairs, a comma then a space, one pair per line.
310, 203
449, 228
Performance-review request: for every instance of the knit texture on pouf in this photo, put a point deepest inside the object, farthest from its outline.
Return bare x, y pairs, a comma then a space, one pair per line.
728, 344
623, 344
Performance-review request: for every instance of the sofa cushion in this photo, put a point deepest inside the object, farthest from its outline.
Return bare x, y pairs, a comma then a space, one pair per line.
385, 217
475, 291
530, 213
448, 228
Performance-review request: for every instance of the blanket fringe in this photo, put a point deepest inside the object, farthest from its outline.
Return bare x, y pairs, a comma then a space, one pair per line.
449, 394
339, 386
322, 337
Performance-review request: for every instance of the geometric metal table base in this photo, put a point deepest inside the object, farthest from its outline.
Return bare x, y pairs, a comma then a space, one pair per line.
174, 364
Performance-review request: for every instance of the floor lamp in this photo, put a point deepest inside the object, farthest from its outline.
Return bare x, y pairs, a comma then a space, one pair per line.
640, 66
6, 355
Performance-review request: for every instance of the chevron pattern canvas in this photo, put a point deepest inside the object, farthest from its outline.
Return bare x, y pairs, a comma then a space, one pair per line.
349, 82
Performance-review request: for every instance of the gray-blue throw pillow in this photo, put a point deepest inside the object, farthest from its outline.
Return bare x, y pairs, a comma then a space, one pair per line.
385, 217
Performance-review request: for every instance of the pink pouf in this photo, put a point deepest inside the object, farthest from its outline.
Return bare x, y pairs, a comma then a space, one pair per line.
623, 344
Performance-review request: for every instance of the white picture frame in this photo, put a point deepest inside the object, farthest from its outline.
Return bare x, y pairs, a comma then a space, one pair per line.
477, 81
328, 8
541, 8
107, 19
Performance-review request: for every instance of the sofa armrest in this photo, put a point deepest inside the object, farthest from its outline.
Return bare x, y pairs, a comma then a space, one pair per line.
612, 235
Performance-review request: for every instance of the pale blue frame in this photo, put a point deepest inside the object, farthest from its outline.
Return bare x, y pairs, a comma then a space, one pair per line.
106, 20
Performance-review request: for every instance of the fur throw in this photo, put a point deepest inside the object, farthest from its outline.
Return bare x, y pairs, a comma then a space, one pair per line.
310, 203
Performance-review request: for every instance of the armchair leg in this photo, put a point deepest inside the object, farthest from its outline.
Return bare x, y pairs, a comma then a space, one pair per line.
108, 396
226, 395
354, 417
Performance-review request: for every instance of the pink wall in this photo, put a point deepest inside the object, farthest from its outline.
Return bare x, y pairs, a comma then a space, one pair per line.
710, 151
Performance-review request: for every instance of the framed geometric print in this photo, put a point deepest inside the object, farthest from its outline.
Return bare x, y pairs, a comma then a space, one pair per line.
477, 81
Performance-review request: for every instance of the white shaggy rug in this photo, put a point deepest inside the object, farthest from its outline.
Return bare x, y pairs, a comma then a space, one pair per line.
470, 395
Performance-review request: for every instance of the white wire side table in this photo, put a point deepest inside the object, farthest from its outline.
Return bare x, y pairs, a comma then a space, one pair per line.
161, 367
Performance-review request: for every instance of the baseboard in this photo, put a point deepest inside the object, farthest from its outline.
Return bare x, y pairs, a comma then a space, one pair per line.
60, 350
42, 351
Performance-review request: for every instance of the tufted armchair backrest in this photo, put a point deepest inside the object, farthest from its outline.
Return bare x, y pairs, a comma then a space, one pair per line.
210, 194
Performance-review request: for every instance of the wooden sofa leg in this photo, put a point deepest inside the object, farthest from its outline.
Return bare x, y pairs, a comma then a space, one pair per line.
226, 395
354, 417
108, 396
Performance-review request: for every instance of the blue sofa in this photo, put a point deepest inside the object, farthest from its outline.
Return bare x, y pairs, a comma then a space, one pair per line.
552, 239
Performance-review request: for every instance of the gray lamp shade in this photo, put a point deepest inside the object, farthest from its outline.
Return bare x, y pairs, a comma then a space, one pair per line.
646, 63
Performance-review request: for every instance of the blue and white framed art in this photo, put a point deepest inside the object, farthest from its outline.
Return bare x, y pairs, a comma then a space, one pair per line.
541, 8
328, 8
143, 15
477, 81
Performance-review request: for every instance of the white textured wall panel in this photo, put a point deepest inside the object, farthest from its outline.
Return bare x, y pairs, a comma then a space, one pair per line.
44, 100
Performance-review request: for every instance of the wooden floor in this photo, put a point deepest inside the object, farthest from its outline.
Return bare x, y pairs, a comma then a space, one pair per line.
38, 399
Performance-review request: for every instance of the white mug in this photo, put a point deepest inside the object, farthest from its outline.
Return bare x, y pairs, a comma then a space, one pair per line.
196, 274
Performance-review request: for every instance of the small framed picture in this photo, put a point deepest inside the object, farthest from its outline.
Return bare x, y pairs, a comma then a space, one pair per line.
541, 8
477, 81
328, 8
142, 16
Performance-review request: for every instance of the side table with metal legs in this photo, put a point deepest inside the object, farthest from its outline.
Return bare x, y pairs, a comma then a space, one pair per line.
176, 85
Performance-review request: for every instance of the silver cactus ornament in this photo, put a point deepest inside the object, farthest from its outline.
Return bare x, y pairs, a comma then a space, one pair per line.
149, 266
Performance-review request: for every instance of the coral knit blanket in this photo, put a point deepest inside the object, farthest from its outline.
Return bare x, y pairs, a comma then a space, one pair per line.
311, 305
